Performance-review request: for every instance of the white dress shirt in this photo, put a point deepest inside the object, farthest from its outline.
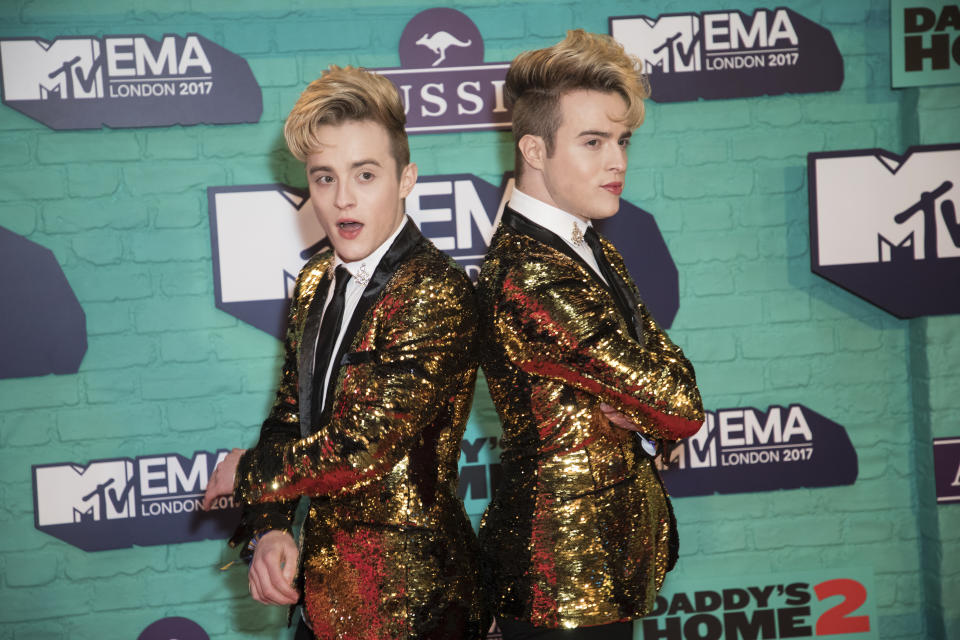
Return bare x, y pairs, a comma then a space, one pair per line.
562, 223
558, 221
360, 273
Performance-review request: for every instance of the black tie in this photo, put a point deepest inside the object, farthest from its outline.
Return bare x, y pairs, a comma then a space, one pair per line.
622, 294
329, 330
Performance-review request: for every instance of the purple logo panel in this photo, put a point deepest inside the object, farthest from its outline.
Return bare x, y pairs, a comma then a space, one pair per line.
946, 469
127, 81
174, 629
443, 81
452, 99
746, 450
43, 329
729, 54
121, 502
440, 37
261, 235
885, 227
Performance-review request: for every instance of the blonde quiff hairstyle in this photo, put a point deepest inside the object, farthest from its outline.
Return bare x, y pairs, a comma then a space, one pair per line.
347, 94
538, 79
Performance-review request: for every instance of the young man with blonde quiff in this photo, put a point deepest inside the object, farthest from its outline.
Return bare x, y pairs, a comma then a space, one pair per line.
580, 534
376, 386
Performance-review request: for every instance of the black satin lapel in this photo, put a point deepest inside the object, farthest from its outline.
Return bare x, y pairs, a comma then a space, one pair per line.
404, 244
527, 227
308, 351
628, 301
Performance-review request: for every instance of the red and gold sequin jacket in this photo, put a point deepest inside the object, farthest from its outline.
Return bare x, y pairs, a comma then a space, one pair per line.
387, 550
579, 531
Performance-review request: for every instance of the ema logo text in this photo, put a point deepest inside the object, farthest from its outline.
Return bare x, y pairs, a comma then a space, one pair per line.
117, 503
886, 228
443, 81
261, 236
728, 54
745, 450
127, 81
924, 42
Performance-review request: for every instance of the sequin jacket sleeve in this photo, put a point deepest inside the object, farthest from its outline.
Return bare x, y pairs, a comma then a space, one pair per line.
551, 325
414, 347
282, 425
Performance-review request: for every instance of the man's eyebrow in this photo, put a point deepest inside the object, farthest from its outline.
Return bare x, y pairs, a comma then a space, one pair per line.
358, 163
604, 134
595, 132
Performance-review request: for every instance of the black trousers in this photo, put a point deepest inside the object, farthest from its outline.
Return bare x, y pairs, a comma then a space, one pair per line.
303, 631
519, 630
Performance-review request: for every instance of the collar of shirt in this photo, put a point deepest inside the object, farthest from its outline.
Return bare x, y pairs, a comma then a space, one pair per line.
561, 223
558, 221
362, 270
360, 273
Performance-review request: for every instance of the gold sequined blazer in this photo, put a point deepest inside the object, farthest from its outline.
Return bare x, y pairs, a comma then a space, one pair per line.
387, 550
579, 531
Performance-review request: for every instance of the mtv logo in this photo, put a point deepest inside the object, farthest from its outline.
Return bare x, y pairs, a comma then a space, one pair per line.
886, 226
35, 69
699, 450
859, 196
70, 493
262, 235
668, 44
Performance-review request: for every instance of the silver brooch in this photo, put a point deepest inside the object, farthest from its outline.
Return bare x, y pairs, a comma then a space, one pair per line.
363, 276
576, 236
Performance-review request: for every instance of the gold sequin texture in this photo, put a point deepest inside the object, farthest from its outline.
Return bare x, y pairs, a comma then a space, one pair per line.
387, 550
577, 533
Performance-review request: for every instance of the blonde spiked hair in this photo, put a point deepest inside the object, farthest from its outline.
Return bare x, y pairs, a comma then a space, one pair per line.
538, 79
344, 94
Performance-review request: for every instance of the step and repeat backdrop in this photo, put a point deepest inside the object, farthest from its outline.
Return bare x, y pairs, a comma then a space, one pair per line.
790, 215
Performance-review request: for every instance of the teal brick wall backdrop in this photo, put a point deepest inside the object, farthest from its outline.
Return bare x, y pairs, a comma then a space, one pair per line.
125, 214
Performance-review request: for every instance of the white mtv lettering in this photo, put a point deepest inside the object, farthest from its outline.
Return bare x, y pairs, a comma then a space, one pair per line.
726, 31
772, 427
864, 202
956, 480
421, 215
40, 70
196, 481
118, 53
148, 476
671, 43
741, 427
702, 445
728, 427
261, 236
165, 475
467, 205
470, 209
166, 57
71, 493
796, 425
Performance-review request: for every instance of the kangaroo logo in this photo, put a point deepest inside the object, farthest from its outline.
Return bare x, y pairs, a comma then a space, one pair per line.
439, 43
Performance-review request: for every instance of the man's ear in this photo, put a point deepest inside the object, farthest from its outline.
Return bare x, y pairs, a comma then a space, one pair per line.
533, 150
408, 178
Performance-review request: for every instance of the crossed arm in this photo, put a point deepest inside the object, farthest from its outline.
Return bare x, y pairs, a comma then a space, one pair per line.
561, 330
